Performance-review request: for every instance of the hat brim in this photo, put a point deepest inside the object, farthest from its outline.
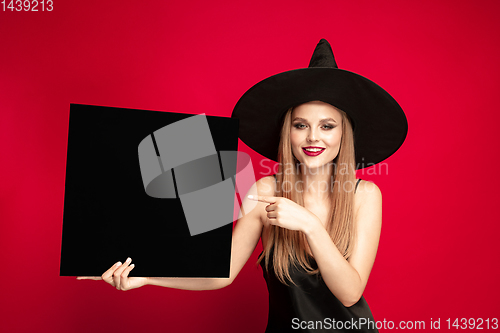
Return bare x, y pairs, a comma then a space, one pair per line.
379, 123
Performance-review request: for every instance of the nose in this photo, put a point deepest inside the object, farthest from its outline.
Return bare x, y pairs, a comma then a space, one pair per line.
312, 135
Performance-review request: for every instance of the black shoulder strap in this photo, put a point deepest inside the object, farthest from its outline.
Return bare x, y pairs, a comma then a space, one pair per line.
357, 183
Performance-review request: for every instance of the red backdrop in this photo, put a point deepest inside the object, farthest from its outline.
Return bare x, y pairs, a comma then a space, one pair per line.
438, 252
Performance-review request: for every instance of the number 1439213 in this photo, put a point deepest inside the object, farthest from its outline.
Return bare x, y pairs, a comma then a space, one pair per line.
27, 5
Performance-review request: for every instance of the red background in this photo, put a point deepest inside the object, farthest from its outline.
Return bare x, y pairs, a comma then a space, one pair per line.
438, 256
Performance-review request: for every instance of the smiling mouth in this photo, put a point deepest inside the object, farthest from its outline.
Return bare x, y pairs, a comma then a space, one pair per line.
313, 151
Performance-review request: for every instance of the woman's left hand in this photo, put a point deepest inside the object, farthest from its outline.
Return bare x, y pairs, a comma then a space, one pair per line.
285, 213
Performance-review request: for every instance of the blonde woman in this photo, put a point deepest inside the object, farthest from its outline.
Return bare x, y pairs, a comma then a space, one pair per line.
319, 225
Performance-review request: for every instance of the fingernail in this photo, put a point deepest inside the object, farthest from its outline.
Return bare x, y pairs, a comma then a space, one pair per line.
118, 264
132, 266
128, 260
250, 196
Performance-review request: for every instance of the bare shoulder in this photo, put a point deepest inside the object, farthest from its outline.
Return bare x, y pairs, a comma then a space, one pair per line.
366, 187
367, 197
266, 186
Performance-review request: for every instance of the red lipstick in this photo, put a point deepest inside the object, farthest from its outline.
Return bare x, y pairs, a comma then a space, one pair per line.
313, 151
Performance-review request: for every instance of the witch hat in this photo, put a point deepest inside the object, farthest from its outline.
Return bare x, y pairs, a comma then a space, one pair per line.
379, 123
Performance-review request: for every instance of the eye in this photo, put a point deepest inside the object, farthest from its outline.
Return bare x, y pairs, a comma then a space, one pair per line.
328, 127
299, 126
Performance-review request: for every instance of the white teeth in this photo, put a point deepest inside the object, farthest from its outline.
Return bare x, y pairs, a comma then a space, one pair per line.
313, 150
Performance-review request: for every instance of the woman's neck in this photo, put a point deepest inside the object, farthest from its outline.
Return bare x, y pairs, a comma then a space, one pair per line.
317, 182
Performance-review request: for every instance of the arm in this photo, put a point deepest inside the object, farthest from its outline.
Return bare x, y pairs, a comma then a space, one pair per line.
347, 279
245, 237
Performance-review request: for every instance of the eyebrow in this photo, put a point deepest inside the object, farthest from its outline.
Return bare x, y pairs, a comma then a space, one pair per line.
321, 121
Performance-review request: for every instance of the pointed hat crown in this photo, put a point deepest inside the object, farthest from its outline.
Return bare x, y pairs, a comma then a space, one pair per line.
323, 55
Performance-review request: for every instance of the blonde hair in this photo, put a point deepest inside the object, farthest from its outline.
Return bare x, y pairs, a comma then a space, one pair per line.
290, 246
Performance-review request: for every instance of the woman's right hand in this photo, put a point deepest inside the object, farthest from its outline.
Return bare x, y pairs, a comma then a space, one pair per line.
117, 276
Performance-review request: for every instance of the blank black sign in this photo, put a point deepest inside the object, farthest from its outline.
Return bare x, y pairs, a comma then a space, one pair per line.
107, 214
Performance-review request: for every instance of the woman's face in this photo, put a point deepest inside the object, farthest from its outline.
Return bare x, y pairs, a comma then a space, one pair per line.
315, 133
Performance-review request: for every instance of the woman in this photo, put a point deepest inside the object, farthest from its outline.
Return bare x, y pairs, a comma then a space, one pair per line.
319, 226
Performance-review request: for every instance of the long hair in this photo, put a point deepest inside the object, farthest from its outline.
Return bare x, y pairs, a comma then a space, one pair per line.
289, 247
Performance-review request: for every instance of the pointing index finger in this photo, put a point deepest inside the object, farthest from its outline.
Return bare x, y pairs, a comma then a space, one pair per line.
262, 198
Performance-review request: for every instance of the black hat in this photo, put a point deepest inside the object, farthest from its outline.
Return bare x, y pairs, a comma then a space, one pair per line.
379, 123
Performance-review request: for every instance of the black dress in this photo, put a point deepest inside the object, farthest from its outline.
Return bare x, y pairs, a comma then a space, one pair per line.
309, 306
